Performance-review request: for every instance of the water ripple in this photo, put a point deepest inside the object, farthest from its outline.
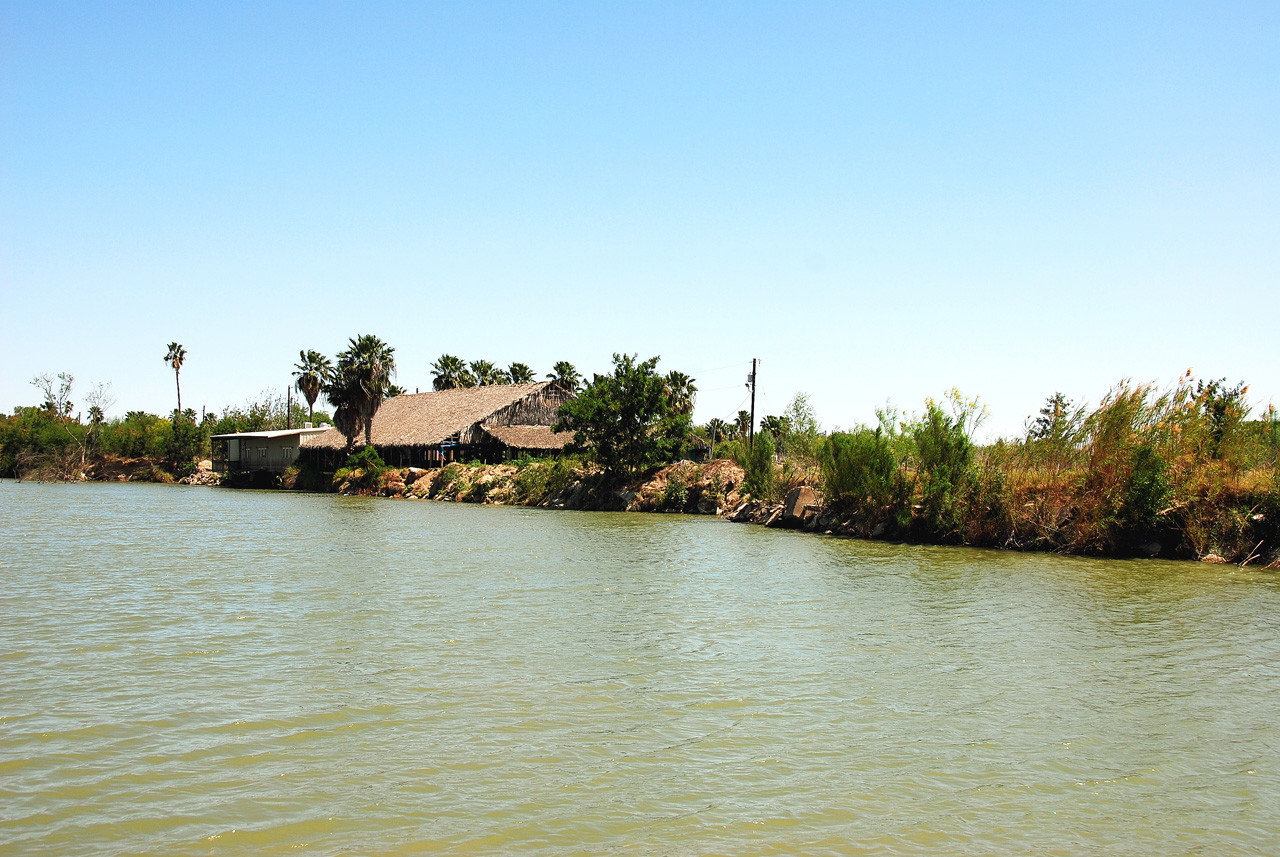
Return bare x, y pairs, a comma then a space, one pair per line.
191, 671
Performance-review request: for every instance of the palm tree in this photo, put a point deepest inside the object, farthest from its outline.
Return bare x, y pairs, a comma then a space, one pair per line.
314, 370
743, 423
450, 373
520, 373
175, 357
485, 373
680, 391
364, 371
96, 418
341, 392
775, 426
715, 428
565, 375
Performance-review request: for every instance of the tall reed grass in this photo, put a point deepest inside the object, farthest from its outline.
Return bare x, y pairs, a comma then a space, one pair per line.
1179, 472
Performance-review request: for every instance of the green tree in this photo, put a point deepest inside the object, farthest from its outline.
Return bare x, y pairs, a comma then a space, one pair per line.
486, 374
716, 429
1224, 408
175, 357
775, 427
743, 423
520, 373
342, 394
313, 371
363, 373
566, 375
801, 436
184, 443
450, 373
681, 390
625, 419
57, 393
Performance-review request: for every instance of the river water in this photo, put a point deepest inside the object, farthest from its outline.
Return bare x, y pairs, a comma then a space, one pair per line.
206, 671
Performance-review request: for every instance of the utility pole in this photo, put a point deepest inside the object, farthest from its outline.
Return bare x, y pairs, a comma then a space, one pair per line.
288, 408
751, 382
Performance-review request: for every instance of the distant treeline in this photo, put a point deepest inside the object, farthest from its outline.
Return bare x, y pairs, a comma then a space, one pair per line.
55, 440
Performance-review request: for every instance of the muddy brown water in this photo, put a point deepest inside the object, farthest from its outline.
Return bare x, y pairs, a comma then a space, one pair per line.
208, 671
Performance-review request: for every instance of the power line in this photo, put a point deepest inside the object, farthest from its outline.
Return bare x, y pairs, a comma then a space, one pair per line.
721, 368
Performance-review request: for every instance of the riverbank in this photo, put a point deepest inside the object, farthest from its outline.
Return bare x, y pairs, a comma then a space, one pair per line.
1218, 516
1232, 524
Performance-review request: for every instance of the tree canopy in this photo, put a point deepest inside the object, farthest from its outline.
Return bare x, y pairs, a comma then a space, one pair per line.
175, 357
312, 373
359, 383
625, 420
450, 372
566, 375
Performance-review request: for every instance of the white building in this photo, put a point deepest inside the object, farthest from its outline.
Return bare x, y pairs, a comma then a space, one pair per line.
270, 451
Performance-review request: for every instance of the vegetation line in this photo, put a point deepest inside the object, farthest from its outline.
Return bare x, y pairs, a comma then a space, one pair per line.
1179, 472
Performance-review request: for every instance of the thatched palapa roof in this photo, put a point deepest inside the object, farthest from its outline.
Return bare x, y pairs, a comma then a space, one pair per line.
530, 437
429, 419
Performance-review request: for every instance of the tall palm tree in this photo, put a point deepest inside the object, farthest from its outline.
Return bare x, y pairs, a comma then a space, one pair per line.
520, 373
743, 423
365, 369
450, 373
313, 373
175, 357
484, 372
680, 391
565, 375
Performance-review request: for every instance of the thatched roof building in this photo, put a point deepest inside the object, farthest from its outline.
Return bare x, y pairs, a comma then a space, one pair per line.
489, 423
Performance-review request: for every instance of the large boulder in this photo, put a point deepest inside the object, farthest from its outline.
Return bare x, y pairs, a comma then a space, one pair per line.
801, 507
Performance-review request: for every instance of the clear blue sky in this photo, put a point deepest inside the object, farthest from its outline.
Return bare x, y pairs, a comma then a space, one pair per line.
879, 201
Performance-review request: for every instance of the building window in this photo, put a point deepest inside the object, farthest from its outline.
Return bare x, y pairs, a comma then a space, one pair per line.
262, 452
286, 453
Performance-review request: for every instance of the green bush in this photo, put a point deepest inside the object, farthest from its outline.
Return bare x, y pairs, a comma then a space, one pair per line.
455, 475
942, 453
761, 481
367, 460
675, 496
183, 445
734, 449
1147, 493
858, 468
541, 480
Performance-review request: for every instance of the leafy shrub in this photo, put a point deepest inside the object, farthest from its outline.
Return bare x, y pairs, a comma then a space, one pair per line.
367, 460
542, 480
675, 496
942, 455
1147, 493
456, 479
734, 449
858, 468
761, 481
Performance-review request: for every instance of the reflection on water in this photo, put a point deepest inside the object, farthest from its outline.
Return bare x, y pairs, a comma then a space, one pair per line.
195, 671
